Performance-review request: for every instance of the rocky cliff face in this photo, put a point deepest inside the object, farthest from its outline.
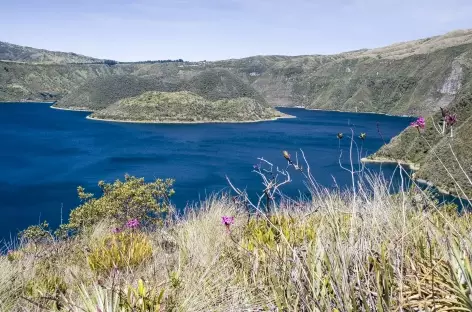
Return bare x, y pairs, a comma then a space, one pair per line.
453, 82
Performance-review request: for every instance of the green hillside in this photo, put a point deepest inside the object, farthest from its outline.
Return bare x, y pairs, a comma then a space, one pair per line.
19, 81
100, 92
442, 160
212, 84
185, 106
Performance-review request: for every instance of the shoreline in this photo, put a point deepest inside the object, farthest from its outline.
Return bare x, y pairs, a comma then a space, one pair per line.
188, 122
71, 109
27, 102
341, 111
412, 166
275, 118
167, 122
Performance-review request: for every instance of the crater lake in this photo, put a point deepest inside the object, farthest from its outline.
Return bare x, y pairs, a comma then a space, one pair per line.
45, 154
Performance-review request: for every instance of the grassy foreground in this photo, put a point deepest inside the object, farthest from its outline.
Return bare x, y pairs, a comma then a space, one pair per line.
368, 251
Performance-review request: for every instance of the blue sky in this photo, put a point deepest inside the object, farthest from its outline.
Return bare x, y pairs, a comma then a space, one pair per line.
221, 29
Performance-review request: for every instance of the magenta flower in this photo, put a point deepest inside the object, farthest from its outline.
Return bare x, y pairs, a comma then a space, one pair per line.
450, 119
420, 123
132, 224
227, 222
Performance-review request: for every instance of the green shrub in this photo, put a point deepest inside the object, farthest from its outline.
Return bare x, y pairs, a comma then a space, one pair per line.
267, 233
122, 201
14, 255
142, 298
123, 251
36, 233
46, 286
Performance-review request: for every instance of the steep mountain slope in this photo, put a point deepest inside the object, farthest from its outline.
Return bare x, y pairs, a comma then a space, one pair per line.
442, 160
20, 81
415, 84
207, 95
102, 91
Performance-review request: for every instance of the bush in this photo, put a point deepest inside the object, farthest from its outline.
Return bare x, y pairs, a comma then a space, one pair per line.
264, 233
142, 298
47, 285
121, 251
36, 233
122, 201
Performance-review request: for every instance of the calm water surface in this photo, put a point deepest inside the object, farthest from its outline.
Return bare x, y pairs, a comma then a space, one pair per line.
45, 154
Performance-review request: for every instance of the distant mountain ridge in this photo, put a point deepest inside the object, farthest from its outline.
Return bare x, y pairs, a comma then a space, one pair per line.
411, 78
17, 53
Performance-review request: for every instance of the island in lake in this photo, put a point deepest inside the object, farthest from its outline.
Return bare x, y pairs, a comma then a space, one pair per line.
185, 107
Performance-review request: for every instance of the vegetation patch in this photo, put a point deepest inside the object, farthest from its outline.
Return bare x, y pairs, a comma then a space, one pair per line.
186, 107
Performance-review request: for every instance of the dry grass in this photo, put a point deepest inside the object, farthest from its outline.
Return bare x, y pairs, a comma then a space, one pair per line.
395, 252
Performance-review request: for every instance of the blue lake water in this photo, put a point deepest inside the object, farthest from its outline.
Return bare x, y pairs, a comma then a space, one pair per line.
45, 154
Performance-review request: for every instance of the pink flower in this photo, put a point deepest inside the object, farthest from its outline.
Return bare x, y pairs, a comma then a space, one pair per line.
132, 224
450, 119
227, 221
420, 123
116, 230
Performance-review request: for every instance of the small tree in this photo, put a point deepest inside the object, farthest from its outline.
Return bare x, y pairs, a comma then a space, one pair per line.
110, 62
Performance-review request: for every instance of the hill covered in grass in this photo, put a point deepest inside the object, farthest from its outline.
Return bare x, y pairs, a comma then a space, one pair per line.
17, 53
212, 84
186, 107
442, 159
40, 82
101, 92
406, 78
207, 95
